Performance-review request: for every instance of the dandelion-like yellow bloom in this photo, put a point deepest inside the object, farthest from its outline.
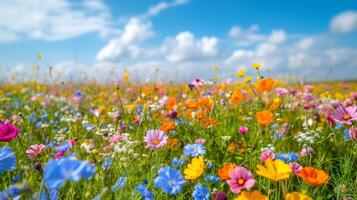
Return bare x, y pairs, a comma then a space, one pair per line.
297, 196
194, 169
274, 170
248, 79
240, 73
215, 68
256, 65
254, 195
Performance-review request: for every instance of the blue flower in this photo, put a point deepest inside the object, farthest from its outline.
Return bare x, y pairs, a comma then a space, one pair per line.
287, 157
145, 193
78, 93
57, 172
346, 135
210, 166
194, 150
278, 136
4, 196
107, 163
201, 192
17, 189
169, 180
119, 184
52, 196
7, 160
214, 179
176, 162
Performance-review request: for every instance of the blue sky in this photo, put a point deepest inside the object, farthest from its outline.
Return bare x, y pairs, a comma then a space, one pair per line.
181, 38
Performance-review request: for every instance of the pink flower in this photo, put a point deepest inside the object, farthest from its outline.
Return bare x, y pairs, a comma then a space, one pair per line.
117, 138
240, 178
155, 139
295, 167
59, 154
243, 130
200, 141
35, 150
8, 132
352, 132
280, 91
345, 115
265, 155
307, 151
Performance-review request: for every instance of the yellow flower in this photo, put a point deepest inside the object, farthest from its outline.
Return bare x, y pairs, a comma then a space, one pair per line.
255, 195
215, 68
248, 79
256, 65
297, 196
194, 169
240, 73
275, 170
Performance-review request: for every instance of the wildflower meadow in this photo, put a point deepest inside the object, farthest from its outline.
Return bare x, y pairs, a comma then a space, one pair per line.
247, 138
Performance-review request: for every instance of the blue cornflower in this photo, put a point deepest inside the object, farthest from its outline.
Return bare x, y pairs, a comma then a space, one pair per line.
210, 166
211, 178
4, 196
201, 192
145, 193
278, 136
176, 162
107, 163
169, 180
32, 117
7, 160
52, 196
38, 124
287, 157
119, 184
194, 150
346, 135
57, 172
78, 93
44, 117
17, 189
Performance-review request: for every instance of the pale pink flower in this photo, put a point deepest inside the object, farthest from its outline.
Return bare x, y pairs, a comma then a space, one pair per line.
265, 155
345, 115
240, 178
155, 139
35, 150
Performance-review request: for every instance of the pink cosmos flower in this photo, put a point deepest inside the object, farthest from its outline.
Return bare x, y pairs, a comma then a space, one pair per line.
117, 138
265, 155
240, 178
295, 167
243, 130
352, 132
8, 131
345, 115
280, 91
35, 150
155, 139
200, 141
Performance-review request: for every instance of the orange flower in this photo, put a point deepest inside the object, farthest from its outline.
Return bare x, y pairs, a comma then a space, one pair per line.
191, 105
236, 97
224, 171
264, 117
208, 122
254, 195
313, 177
297, 196
171, 103
265, 84
167, 126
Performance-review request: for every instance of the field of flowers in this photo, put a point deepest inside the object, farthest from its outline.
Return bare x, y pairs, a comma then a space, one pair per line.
251, 138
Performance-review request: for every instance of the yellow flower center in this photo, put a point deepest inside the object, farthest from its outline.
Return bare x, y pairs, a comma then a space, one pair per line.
240, 181
156, 141
346, 117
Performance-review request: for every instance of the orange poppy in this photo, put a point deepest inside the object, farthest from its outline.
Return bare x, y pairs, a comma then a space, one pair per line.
236, 97
313, 177
224, 171
264, 117
167, 126
265, 84
171, 103
191, 105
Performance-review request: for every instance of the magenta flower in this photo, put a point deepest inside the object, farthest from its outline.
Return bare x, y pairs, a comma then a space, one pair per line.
35, 150
155, 139
8, 132
295, 167
265, 155
240, 178
243, 130
345, 115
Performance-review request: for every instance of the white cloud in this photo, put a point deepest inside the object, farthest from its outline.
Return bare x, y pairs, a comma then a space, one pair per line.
53, 19
185, 47
156, 9
344, 22
126, 45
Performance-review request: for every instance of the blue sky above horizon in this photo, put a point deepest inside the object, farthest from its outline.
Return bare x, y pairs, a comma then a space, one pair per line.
181, 38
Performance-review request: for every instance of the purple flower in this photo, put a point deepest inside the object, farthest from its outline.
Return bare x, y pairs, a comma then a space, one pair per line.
155, 139
295, 167
345, 115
